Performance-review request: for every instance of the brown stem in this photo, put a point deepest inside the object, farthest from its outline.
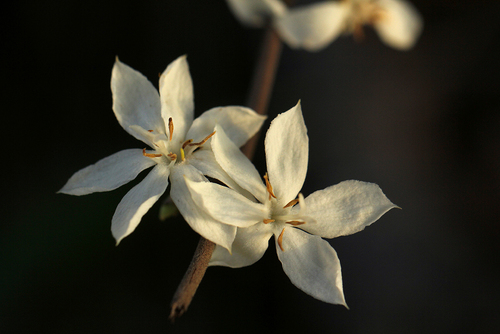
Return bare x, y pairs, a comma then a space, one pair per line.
260, 93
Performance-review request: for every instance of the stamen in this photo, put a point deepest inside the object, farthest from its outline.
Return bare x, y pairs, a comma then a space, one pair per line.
291, 203
186, 143
150, 155
267, 221
203, 141
172, 156
183, 156
280, 241
170, 128
295, 222
269, 187
150, 130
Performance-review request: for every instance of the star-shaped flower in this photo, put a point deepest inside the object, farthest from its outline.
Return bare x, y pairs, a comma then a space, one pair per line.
179, 147
314, 26
271, 209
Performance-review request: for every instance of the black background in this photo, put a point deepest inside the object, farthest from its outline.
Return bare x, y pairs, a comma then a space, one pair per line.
423, 124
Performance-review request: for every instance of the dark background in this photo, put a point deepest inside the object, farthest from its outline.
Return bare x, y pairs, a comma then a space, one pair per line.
423, 124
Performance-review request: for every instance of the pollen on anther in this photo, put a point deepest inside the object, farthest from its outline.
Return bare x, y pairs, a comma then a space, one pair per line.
267, 221
170, 128
269, 187
186, 143
280, 240
295, 222
150, 130
291, 203
150, 155
203, 141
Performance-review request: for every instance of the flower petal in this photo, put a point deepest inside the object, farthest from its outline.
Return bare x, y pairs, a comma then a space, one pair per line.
249, 246
287, 149
312, 27
108, 173
197, 218
312, 265
345, 208
400, 24
135, 100
254, 13
204, 161
226, 205
177, 98
239, 123
237, 165
138, 201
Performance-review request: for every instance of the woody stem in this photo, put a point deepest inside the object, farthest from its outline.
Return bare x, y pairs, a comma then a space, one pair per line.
258, 100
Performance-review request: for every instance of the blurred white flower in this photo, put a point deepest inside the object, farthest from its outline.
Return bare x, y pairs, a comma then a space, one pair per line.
262, 211
313, 27
179, 146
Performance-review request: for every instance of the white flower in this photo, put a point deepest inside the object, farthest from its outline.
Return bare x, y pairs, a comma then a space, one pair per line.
315, 26
254, 13
180, 146
308, 260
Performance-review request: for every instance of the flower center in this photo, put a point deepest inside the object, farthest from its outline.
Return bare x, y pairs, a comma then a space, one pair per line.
281, 216
363, 12
167, 150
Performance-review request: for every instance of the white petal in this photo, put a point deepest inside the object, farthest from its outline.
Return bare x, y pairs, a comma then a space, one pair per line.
249, 246
400, 25
312, 27
138, 201
197, 218
345, 208
237, 165
312, 265
226, 205
135, 100
239, 123
287, 149
177, 98
254, 13
108, 173
204, 161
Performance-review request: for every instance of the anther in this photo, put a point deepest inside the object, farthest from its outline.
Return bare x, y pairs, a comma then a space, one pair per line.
269, 187
186, 143
203, 141
170, 128
280, 241
267, 221
183, 155
295, 222
172, 156
150, 155
291, 203
150, 130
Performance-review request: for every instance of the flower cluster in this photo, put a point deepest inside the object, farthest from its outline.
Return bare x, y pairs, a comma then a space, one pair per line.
239, 213
312, 27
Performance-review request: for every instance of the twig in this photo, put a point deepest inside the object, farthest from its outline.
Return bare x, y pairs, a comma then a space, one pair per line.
260, 93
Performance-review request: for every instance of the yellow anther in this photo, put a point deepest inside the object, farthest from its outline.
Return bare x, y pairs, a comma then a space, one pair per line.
203, 141
280, 241
170, 128
267, 221
295, 222
150, 155
269, 187
291, 203
183, 156
172, 156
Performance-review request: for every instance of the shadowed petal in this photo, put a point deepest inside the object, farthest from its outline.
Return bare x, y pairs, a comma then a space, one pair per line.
108, 173
254, 13
200, 222
249, 246
135, 100
312, 265
138, 201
